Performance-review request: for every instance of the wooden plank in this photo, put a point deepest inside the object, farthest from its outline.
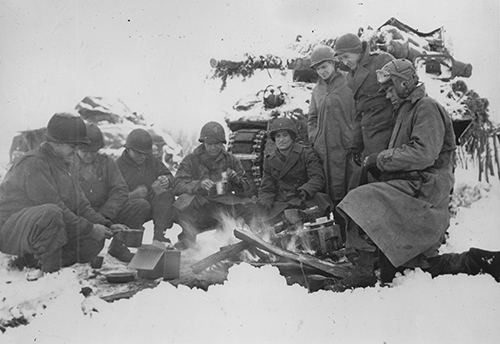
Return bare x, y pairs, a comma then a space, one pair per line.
336, 270
224, 253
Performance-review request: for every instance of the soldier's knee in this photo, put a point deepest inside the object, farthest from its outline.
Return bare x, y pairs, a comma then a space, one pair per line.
141, 206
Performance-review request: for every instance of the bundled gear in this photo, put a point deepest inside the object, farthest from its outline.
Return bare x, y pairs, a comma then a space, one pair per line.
212, 133
321, 54
140, 140
67, 128
96, 139
271, 98
348, 43
283, 123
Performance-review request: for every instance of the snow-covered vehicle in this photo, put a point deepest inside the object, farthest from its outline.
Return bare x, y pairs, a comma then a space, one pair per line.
293, 81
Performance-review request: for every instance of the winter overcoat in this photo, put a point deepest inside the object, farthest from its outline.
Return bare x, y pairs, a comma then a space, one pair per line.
407, 214
374, 114
330, 127
198, 166
103, 184
41, 177
283, 178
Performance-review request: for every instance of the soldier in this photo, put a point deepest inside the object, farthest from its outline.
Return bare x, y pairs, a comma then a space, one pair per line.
103, 184
293, 176
148, 179
374, 114
330, 122
209, 181
43, 211
406, 214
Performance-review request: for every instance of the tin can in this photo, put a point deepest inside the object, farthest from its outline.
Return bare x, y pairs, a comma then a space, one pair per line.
220, 188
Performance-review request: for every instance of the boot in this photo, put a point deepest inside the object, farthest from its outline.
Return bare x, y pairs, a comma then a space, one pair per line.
363, 273
121, 252
487, 261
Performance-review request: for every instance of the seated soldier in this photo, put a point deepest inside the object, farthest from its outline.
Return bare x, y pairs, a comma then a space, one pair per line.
405, 214
103, 184
293, 174
209, 181
148, 179
43, 212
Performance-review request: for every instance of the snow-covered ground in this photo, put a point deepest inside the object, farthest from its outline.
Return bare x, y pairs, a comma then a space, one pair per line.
255, 305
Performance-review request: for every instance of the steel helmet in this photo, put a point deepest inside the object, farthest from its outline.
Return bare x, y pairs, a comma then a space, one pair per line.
96, 139
140, 140
401, 68
212, 132
348, 43
321, 54
283, 123
67, 128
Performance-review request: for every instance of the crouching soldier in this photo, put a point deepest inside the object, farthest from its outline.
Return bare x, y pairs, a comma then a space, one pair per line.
149, 181
103, 184
293, 175
43, 211
405, 214
209, 181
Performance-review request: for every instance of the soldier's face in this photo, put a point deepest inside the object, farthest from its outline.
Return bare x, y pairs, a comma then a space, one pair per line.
392, 95
283, 140
213, 149
325, 69
87, 157
350, 60
136, 156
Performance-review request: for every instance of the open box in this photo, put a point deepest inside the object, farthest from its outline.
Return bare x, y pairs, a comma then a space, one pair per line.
153, 262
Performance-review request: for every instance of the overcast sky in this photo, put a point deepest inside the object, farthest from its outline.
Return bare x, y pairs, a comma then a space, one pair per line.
154, 54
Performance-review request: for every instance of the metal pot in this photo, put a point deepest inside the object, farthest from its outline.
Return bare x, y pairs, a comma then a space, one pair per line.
131, 237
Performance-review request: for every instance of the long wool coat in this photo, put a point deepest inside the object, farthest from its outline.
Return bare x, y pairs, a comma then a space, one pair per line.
374, 114
330, 127
407, 214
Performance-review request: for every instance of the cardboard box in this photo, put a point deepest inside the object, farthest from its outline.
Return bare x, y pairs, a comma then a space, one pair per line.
153, 262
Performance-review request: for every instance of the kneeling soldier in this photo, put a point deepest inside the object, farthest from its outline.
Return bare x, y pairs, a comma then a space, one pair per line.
293, 176
43, 211
209, 181
103, 184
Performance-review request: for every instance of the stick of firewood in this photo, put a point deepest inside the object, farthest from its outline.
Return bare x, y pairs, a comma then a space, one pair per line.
330, 268
225, 253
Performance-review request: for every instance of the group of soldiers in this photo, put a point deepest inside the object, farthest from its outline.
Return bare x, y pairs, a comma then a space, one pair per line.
380, 156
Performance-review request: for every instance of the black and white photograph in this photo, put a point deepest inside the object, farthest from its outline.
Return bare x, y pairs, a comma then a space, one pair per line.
265, 171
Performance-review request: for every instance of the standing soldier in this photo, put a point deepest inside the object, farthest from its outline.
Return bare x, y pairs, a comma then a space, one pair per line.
209, 181
43, 212
103, 184
293, 176
405, 214
374, 114
148, 179
331, 114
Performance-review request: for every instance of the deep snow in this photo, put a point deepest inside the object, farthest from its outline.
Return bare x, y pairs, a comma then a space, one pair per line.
256, 306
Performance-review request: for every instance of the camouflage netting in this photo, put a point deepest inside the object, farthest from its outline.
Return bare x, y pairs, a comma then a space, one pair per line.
293, 80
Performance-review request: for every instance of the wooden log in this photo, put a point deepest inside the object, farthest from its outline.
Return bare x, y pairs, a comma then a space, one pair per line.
225, 253
336, 270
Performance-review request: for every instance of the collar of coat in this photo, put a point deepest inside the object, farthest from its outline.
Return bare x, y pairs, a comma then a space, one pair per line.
415, 95
334, 80
291, 160
48, 151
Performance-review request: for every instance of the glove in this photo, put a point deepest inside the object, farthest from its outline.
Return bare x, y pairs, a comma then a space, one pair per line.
356, 157
302, 194
100, 232
232, 175
370, 164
